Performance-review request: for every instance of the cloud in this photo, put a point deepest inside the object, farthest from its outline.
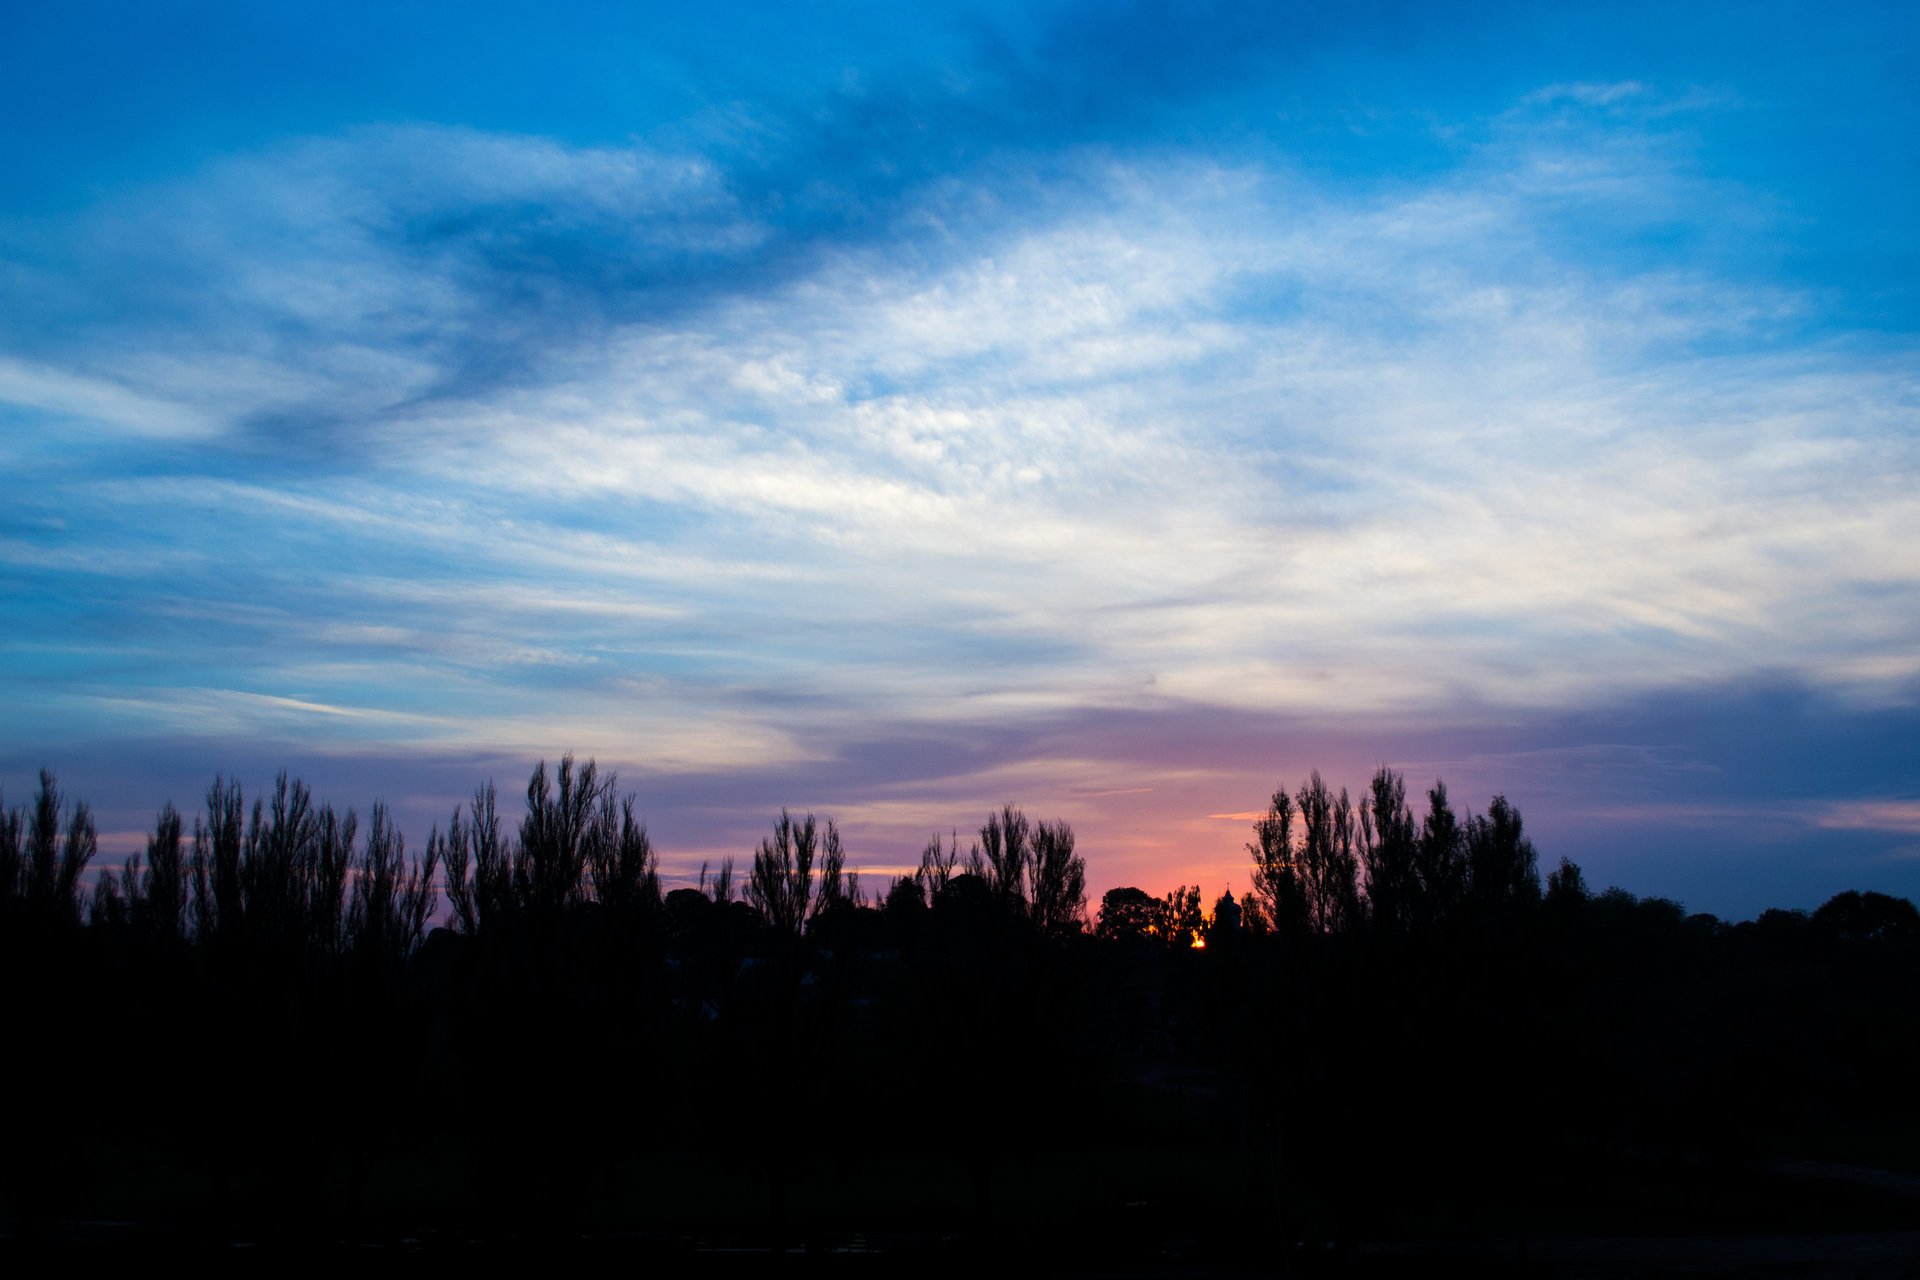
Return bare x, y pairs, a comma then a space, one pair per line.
307, 291
1588, 93
513, 434
1872, 815
84, 400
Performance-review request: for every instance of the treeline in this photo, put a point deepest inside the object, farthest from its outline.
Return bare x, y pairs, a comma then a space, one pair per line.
294, 875
253, 1026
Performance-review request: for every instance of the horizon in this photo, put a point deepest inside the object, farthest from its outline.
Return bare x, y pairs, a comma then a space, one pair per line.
1116, 413
680, 868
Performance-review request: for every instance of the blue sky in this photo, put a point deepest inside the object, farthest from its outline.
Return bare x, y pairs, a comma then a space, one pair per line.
891, 411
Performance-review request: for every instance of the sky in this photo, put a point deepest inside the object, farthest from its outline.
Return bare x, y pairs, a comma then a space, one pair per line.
890, 412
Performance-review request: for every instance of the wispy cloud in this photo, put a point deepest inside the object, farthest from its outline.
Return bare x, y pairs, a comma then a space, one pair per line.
968, 429
85, 401
1179, 433
1872, 815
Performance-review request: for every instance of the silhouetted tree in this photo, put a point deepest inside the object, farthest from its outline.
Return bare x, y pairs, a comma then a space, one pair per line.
479, 866
392, 897
51, 863
122, 900
550, 864
1440, 859
280, 881
626, 876
328, 870
1679, 1035
456, 862
781, 885
218, 898
1056, 880
1868, 917
1254, 920
937, 862
1502, 867
1129, 914
1389, 852
687, 913
112, 906
1004, 848
1276, 868
13, 857
278, 850
905, 903
1328, 867
152, 898
1566, 887
720, 886
1182, 923
577, 841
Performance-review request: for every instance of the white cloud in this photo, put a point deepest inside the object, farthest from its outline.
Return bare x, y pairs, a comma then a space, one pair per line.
99, 402
1589, 93
1873, 815
1187, 434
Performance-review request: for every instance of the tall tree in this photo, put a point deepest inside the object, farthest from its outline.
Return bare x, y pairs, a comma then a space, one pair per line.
392, 896
937, 862
1182, 922
1276, 868
625, 871
720, 886
1005, 849
1441, 859
1327, 867
329, 872
781, 884
140, 897
50, 865
1056, 880
219, 902
487, 893
1502, 867
550, 865
13, 857
275, 860
1390, 851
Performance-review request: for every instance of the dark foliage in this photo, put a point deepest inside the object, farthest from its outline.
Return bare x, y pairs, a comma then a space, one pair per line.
1399, 1029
